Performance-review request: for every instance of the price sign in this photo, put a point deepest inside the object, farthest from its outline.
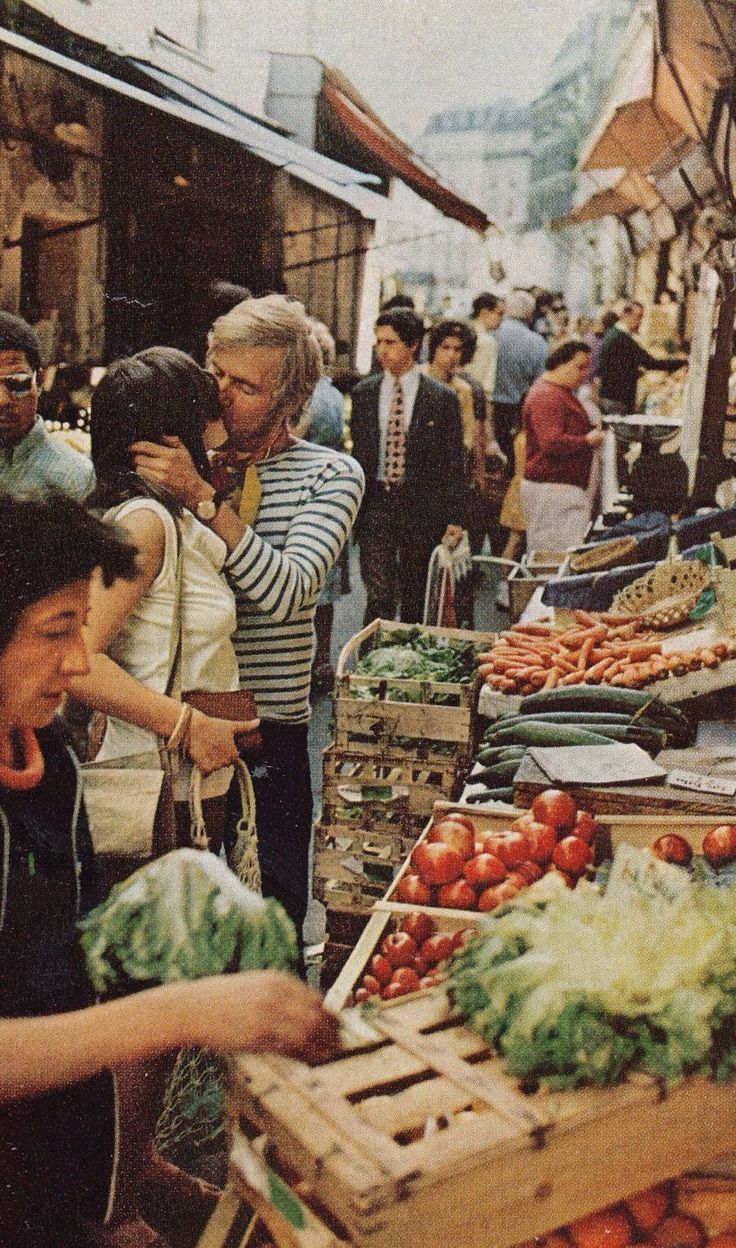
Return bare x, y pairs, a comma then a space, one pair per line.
721, 785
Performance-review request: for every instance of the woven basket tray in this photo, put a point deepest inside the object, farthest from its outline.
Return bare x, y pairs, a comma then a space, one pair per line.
665, 596
603, 555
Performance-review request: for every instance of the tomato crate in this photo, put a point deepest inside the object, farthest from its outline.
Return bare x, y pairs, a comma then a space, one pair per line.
425, 782
341, 991
415, 1135
353, 865
382, 712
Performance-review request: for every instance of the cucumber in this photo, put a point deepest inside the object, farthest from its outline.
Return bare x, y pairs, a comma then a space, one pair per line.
587, 698
490, 754
499, 773
583, 718
491, 795
532, 732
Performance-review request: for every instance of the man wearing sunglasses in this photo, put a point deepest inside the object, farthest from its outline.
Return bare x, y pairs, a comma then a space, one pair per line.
30, 459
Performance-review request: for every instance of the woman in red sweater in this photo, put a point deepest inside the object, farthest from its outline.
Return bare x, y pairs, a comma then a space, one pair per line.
559, 452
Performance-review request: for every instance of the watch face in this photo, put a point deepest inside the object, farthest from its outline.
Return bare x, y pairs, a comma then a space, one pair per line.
207, 509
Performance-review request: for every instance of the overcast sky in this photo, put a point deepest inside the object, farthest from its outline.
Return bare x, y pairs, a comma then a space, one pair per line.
411, 58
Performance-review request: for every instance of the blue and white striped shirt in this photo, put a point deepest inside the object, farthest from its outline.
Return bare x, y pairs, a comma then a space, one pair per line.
310, 498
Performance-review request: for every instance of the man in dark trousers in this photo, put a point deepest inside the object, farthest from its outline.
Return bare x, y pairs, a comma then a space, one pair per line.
622, 361
407, 437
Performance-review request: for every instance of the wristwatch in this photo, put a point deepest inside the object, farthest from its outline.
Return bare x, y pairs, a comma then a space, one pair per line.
206, 508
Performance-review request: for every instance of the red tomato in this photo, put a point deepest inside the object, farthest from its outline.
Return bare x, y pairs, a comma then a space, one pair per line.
542, 840
437, 948
437, 863
399, 948
458, 817
496, 895
678, 1231
418, 925
450, 832
522, 823
556, 1239
522, 875
719, 845
485, 869
457, 896
649, 1208
393, 990
412, 889
362, 994
431, 980
381, 968
609, 1228
461, 938
420, 964
371, 984
673, 848
726, 1239
511, 847
555, 808
585, 826
572, 855
407, 977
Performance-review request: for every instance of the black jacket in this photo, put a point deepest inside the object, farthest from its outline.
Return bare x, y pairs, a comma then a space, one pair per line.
622, 359
434, 486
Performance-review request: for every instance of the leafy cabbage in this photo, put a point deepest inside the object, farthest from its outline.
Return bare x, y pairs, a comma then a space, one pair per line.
183, 916
585, 987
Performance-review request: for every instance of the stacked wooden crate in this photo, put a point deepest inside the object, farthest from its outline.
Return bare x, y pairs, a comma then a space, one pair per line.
390, 760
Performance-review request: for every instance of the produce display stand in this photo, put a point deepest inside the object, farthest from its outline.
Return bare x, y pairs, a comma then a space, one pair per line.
414, 1135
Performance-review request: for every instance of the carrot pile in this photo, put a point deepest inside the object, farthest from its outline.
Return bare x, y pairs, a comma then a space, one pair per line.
598, 649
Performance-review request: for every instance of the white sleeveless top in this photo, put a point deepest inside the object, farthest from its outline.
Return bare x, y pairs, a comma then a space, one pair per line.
143, 647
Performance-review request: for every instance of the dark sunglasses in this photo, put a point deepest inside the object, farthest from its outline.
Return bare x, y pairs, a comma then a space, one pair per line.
19, 384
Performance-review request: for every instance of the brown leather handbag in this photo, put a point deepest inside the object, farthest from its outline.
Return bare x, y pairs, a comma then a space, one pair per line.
240, 704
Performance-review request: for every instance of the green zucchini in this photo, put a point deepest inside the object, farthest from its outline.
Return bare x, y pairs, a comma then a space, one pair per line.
499, 773
490, 754
491, 795
583, 718
587, 698
532, 732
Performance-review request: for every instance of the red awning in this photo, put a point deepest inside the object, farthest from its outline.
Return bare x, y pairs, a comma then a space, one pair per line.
401, 161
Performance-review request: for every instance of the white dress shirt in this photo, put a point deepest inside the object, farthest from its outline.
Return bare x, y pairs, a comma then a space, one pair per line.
409, 383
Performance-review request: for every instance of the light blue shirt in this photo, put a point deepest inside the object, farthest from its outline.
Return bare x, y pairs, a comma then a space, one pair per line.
522, 355
40, 462
409, 382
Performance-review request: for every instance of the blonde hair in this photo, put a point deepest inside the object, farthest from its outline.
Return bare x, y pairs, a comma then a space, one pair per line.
275, 321
326, 343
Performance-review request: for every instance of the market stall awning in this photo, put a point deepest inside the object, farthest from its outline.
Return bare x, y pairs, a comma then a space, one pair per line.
635, 135
630, 192
400, 161
696, 55
263, 141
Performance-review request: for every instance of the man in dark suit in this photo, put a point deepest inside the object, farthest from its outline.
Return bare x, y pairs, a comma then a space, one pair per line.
407, 437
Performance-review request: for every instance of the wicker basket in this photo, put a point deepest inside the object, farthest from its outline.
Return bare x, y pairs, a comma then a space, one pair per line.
665, 596
603, 555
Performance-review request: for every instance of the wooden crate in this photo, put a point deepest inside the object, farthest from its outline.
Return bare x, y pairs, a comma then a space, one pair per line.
414, 1134
426, 782
334, 960
381, 721
379, 925
354, 871
345, 926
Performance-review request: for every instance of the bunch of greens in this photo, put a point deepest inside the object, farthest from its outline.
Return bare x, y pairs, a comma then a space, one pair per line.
588, 987
410, 654
181, 917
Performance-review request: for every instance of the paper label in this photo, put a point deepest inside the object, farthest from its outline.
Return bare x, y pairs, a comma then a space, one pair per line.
721, 785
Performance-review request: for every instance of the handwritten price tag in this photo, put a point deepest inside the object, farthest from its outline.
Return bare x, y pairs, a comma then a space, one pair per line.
720, 785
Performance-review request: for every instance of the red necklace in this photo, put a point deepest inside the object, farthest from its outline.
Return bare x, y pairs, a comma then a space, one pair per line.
30, 773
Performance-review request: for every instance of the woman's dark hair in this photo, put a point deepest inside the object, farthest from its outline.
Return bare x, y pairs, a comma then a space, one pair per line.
405, 323
157, 392
485, 301
566, 352
47, 542
450, 329
609, 319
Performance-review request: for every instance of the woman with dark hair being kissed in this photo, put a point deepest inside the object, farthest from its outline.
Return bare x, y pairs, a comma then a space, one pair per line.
170, 628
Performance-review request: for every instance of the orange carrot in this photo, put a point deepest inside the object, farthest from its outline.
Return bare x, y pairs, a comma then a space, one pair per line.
552, 680
535, 629
585, 650
595, 674
584, 617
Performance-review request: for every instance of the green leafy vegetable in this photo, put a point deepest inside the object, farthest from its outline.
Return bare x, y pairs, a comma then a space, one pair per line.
586, 987
409, 654
181, 917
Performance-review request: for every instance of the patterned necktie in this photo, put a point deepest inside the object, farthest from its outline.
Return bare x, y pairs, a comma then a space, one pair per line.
395, 438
